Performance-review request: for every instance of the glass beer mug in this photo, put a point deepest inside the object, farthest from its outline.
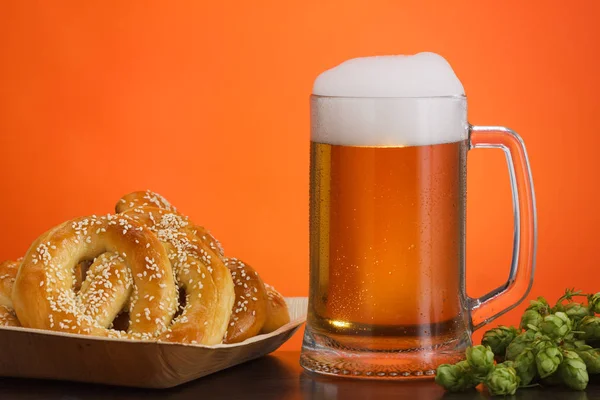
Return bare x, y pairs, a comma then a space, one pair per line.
389, 143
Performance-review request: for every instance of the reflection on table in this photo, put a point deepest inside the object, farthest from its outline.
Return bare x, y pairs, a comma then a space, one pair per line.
278, 376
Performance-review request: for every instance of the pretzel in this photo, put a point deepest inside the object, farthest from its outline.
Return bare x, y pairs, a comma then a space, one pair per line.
250, 308
256, 310
43, 297
8, 272
204, 278
277, 311
117, 276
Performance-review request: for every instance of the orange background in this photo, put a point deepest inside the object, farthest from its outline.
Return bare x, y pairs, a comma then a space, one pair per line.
207, 103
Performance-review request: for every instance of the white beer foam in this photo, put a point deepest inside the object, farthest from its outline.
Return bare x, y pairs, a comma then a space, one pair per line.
389, 101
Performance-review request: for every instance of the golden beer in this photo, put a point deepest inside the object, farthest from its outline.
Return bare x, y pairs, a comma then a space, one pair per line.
387, 228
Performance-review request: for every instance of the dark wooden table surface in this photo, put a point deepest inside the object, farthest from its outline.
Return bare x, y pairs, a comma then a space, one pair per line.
278, 376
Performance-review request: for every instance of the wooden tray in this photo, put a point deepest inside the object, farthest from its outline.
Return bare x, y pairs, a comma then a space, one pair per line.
31, 353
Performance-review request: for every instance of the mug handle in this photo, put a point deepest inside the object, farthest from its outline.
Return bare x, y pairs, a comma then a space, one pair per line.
504, 298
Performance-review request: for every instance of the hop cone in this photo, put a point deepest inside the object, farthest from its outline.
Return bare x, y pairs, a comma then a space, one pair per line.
520, 343
525, 366
590, 328
591, 358
594, 303
540, 305
531, 317
548, 357
455, 378
557, 325
499, 338
576, 311
573, 371
502, 381
481, 360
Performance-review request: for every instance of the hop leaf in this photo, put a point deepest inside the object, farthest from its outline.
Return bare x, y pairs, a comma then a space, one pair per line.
557, 325
589, 328
531, 317
499, 338
520, 343
503, 380
573, 371
547, 358
540, 305
525, 366
590, 356
481, 360
455, 378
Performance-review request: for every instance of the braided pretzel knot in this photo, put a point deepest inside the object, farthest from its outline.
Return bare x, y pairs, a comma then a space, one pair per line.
43, 295
205, 280
244, 313
255, 309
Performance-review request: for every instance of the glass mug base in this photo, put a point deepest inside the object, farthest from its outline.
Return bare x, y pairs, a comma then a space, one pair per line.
381, 358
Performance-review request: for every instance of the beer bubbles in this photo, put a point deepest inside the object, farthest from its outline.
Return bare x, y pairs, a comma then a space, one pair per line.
372, 106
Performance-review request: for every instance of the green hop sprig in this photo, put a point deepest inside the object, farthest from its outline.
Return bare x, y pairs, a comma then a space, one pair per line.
547, 357
589, 328
481, 360
498, 339
503, 380
456, 377
557, 347
556, 325
573, 371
